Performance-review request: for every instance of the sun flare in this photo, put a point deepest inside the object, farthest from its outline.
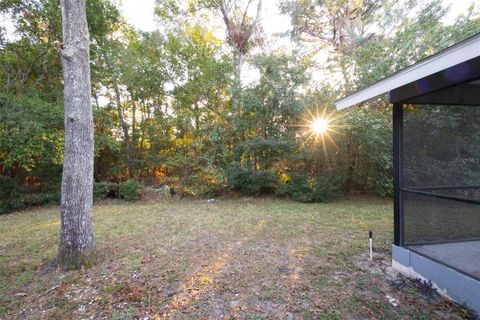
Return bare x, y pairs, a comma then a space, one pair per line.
320, 125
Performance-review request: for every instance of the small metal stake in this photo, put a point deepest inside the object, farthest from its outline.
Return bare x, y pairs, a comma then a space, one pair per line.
370, 239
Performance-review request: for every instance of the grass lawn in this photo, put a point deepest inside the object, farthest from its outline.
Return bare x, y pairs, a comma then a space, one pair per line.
240, 258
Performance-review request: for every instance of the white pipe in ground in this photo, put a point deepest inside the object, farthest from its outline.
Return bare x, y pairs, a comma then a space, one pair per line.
370, 240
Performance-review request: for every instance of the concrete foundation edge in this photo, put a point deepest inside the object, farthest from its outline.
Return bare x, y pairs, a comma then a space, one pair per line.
449, 282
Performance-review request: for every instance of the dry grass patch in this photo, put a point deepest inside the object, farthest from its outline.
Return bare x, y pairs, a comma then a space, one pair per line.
233, 259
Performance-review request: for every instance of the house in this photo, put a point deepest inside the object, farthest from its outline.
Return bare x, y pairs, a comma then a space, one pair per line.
436, 148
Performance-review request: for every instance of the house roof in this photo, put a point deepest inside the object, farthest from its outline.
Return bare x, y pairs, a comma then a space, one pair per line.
454, 55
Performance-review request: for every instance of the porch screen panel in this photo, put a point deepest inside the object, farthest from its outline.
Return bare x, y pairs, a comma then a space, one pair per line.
441, 173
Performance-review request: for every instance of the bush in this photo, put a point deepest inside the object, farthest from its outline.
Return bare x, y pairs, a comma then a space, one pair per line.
326, 188
11, 195
104, 189
129, 190
208, 183
38, 199
296, 187
205, 190
300, 187
251, 182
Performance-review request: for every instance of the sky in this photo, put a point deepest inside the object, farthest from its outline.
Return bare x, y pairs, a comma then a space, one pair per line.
140, 14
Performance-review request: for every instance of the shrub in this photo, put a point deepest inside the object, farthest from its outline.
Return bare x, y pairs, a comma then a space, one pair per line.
209, 183
326, 188
129, 190
11, 195
104, 189
296, 187
300, 187
251, 182
38, 199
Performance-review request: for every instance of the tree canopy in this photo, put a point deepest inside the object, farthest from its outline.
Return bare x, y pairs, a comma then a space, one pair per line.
172, 106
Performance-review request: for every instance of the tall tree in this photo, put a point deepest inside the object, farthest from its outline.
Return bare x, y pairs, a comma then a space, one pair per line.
340, 27
76, 240
242, 21
243, 30
415, 39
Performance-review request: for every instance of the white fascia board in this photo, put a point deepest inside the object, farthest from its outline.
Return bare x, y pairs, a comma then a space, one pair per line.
461, 52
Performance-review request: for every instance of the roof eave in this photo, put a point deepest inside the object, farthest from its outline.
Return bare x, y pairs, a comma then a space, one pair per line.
456, 54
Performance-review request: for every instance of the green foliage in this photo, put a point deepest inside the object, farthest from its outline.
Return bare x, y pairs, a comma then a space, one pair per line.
11, 195
202, 185
31, 134
108, 150
252, 182
129, 190
296, 186
270, 110
415, 39
31, 64
170, 109
39, 199
299, 187
326, 188
366, 153
31, 149
104, 189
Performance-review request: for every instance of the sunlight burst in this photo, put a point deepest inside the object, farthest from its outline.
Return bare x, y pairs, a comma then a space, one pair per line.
318, 127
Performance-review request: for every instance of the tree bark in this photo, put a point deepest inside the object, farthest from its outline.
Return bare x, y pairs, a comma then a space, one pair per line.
77, 243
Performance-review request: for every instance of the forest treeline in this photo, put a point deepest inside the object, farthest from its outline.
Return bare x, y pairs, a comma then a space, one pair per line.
172, 107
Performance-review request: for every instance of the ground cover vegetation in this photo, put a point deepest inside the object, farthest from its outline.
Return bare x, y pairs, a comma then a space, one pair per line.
243, 258
171, 107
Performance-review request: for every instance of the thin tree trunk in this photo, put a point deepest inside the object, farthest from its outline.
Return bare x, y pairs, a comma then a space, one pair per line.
121, 119
76, 239
237, 86
134, 122
118, 103
197, 118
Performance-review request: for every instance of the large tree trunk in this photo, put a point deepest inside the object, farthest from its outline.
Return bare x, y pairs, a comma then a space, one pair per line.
77, 243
